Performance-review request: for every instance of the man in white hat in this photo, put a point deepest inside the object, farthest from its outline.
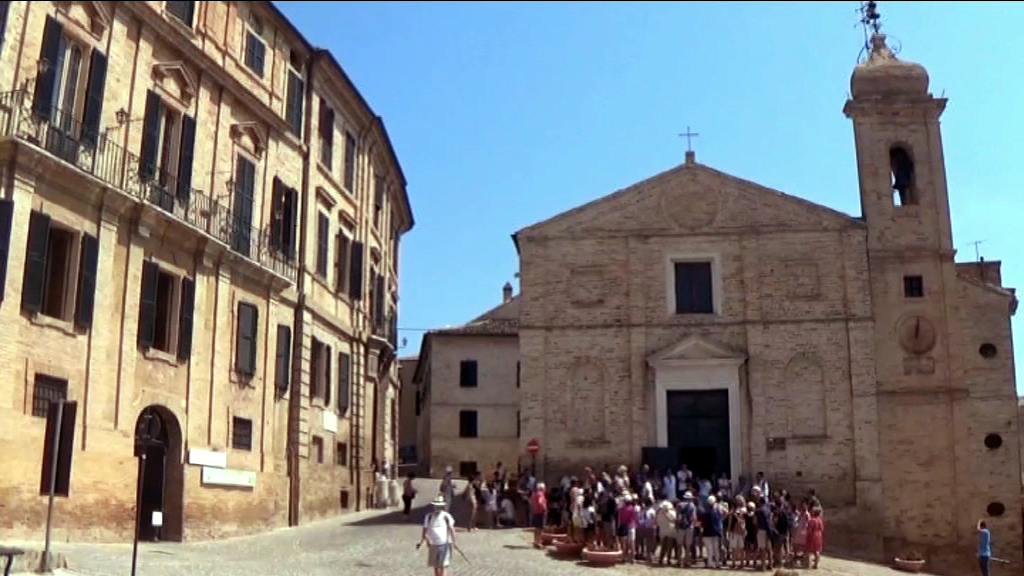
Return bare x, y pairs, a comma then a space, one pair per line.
439, 534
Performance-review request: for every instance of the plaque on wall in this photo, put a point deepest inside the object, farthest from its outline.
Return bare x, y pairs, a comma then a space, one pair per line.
775, 444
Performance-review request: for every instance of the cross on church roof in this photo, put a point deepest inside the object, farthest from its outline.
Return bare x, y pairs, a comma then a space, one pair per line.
689, 135
689, 138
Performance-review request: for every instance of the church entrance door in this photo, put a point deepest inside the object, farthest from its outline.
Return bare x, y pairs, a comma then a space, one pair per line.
698, 427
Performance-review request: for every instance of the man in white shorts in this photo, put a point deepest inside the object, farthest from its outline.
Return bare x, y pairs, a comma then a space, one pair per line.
439, 534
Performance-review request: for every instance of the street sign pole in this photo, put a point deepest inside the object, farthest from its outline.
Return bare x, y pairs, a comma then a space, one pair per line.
51, 497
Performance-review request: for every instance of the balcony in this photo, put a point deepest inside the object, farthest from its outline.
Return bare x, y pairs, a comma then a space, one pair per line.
100, 157
385, 329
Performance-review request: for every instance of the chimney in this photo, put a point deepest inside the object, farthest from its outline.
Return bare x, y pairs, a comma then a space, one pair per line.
506, 292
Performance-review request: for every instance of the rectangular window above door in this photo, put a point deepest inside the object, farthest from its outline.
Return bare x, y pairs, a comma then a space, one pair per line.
694, 288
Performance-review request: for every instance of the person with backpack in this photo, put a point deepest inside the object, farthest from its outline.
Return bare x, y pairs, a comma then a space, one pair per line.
439, 534
686, 521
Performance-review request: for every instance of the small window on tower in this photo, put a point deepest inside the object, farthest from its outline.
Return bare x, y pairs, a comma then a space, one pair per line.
913, 287
902, 168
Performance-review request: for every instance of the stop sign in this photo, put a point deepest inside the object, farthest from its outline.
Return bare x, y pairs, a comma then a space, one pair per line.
533, 446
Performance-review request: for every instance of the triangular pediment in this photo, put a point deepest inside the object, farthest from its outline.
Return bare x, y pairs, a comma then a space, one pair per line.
691, 199
249, 135
185, 86
696, 349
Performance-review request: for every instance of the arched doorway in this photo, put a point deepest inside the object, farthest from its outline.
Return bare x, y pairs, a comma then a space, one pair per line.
162, 479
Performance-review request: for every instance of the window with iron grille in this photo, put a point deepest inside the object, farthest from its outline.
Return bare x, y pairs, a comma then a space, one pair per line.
47, 389
241, 433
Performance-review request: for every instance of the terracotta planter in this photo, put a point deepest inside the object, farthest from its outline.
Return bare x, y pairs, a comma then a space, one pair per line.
602, 557
567, 548
547, 538
913, 566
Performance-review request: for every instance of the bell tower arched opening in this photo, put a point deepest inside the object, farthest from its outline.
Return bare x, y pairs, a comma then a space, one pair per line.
901, 166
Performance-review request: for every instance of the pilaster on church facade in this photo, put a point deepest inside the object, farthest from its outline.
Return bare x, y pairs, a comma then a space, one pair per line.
160, 245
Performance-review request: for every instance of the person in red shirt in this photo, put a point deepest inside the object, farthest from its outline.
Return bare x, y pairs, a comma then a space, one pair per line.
538, 512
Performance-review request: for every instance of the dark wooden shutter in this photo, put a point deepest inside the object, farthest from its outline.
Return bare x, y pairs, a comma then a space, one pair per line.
467, 374
340, 250
350, 161
245, 348
291, 204
185, 161
378, 300
147, 304
94, 97
186, 318
86, 297
323, 234
283, 360
344, 381
150, 135
295, 98
35, 262
245, 184
327, 375
46, 82
356, 271
4, 8
255, 53
6, 219
276, 215
183, 11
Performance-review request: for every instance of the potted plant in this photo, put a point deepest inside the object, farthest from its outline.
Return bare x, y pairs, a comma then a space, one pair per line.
910, 562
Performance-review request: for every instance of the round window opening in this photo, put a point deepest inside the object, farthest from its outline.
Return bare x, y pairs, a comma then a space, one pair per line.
987, 350
995, 509
993, 441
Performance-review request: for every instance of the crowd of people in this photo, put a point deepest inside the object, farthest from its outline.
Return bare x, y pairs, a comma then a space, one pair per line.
669, 517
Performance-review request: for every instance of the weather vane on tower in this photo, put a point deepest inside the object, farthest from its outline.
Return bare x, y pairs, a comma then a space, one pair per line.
870, 18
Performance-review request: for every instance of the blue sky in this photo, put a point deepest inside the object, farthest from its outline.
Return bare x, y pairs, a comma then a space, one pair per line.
504, 114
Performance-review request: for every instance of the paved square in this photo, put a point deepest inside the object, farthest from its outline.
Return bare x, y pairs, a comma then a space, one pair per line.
365, 544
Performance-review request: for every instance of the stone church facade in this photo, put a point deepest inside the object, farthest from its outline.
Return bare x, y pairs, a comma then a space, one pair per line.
699, 317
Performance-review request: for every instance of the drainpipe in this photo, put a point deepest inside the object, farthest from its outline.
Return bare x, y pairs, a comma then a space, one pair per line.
298, 325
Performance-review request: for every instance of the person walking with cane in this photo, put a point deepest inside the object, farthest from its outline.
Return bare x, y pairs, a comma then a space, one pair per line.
439, 534
984, 549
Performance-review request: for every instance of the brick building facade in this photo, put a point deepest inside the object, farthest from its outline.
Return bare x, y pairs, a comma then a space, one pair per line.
467, 390
199, 221
696, 316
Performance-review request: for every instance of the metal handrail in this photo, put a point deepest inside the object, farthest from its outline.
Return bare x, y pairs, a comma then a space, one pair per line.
65, 137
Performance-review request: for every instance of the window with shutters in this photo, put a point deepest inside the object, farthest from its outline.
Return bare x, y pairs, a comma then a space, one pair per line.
467, 424
295, 101
316, 449
341, 454
467, 374
167, 151
350, 162
166, 307
325, 135
694, 288
46, 389
284, 219
246, 344
379, 189
342, 261
183, 11
323, 235
255, 48
344, 382
241, 209
241, 433
68, 92
59, 279
320, 372
283, 359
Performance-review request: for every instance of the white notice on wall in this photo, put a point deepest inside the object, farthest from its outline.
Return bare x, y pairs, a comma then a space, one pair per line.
158, 518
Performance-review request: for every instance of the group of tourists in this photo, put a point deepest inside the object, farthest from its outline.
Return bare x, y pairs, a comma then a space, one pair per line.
669, 517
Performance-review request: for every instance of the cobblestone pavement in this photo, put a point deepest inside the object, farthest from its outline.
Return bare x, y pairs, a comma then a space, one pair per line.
363, 544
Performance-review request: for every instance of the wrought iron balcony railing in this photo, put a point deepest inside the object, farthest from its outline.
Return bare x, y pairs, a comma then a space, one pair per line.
97, 155
387, 328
